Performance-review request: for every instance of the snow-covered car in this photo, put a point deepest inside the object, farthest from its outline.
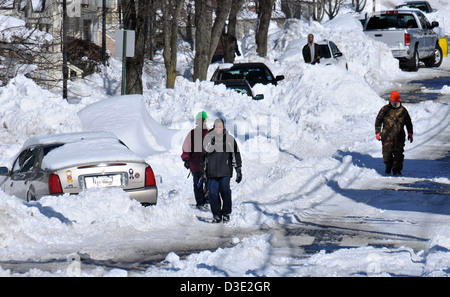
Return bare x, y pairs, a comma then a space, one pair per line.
331, 55
422, 5
241, 86
254, 73
69, 163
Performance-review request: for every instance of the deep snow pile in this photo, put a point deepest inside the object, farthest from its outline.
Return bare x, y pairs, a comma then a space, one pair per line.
295, 145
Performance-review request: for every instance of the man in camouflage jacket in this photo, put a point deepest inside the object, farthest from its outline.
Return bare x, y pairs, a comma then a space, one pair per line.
389, 129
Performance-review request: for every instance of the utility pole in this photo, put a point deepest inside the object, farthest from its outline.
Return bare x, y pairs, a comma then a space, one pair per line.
64, 49
104, 32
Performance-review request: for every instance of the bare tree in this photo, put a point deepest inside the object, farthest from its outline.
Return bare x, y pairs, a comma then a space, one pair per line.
171, 16
208, 33
264, 14
332, 7
318, 10
359, 5
24, 51
135, 17
229, 38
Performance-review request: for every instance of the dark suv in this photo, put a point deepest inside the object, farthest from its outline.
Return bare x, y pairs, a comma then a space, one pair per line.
254, 73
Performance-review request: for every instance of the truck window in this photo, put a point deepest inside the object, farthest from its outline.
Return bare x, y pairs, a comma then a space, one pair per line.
423, 21
386, 21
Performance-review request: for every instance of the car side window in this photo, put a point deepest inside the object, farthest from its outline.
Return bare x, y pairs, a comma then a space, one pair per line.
29, 161
25, 161
423, 21
18, 162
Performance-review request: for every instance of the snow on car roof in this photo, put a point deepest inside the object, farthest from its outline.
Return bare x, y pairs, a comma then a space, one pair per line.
83, 148
89, 151
67, 137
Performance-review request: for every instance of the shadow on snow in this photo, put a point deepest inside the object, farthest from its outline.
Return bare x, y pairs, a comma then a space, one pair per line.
423, 195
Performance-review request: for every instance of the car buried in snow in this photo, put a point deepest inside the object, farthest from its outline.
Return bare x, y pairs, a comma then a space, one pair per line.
69, 163
331, 55
240, 86
422, 5
254, 73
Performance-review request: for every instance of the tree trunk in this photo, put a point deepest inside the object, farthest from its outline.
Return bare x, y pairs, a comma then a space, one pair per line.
229, 39
171, 16
207, 34
332, 7
264, 15
135, 18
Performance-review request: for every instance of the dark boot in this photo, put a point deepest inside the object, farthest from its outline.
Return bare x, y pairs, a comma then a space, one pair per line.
388, 170
217, 219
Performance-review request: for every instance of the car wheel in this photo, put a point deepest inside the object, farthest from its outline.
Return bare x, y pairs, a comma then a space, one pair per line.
30, 196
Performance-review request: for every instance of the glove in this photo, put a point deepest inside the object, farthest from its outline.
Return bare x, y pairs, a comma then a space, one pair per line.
186, 164
213, 140
410, 137
238, 175
378, 136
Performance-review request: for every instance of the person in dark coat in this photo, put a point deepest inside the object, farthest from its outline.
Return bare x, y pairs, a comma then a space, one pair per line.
192, 152
389, 128
311, 51
220, 155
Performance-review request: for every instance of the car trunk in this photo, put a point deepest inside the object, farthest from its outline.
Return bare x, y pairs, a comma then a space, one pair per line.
126, 175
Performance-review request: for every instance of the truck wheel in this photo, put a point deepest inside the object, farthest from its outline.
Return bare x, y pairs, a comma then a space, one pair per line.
411, 64
436, 59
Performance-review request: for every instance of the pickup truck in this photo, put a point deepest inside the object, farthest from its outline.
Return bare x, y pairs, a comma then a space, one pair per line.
409, 35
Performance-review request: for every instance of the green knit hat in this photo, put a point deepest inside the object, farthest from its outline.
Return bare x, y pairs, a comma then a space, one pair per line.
202, 115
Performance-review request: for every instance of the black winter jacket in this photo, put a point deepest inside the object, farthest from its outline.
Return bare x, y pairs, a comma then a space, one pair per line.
220, 154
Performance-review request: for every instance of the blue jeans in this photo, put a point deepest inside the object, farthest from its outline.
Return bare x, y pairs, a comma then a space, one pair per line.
220, 204
198, 192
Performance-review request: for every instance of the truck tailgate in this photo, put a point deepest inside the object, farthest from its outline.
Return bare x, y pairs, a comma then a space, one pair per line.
393, 38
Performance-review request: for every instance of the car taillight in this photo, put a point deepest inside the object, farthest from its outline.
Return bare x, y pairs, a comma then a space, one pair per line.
54, 184
407, 39
149, 177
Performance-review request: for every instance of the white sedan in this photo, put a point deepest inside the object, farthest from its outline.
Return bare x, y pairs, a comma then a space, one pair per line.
331, 55
69, 163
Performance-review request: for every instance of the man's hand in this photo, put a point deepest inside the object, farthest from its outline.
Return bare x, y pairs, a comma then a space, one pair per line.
410, 137
238, 175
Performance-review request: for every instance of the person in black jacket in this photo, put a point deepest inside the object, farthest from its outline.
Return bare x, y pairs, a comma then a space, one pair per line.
220, 154
311, 51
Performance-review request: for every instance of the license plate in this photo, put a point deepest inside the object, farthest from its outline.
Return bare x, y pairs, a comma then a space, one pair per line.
103, 181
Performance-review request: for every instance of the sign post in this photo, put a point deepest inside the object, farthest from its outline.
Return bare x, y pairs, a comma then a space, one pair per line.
124, 48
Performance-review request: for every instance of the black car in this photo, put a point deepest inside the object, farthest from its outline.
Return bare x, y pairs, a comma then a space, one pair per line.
241, 86
254, 73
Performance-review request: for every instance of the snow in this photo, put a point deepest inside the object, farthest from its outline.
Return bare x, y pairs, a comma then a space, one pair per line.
309, 157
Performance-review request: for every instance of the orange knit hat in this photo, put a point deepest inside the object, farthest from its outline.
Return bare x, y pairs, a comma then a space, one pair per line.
395, 96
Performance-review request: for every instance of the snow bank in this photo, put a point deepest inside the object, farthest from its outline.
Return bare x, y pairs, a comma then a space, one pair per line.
308, 148
128, 119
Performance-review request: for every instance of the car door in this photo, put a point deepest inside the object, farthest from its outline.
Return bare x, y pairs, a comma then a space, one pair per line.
22, 173
428, 46
335, 51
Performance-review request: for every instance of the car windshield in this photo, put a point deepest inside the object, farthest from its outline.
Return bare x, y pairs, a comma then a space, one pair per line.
239, 89
255, 74
392, 20
325, 51
420, 6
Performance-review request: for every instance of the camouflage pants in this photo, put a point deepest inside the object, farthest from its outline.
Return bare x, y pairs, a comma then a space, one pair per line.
393, 156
